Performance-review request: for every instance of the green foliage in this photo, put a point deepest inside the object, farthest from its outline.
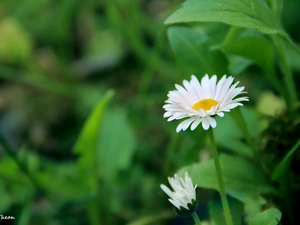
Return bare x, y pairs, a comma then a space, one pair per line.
82, 84
249, 14
216, 211
265, 58
231, 139
117, 142
281, 173
269, 217
192, 49
87, 142
15, 42
245, 184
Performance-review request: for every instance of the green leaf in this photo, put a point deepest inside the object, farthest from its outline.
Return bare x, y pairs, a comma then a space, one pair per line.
281, 173
15, 42
86, 144
248, 48
276, 6
268, 217
270, 104
192, 50
243, 180
6, 199
216, 210
152, 219
116, 144
238, 64
69, 180
246, 13
231, 139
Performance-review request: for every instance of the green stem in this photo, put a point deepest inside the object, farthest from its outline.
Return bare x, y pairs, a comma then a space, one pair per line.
196, 218
286, 37
220, 178
10, 152
232, 33
241, 123
93, 212
286, 70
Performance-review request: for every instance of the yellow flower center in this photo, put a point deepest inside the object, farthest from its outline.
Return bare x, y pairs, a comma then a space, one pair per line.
205, 104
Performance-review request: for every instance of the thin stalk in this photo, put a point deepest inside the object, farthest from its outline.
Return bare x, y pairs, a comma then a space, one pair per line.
225, 204
232, 33
285, 68
196, 218
93, 212
10, 152
241, 123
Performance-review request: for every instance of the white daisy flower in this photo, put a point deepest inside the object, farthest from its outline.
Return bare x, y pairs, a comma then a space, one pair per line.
184, 195
200, 102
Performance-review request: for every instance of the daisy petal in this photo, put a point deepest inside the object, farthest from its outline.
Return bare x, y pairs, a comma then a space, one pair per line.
212, 122
195, 124
205, 124
197, 102
184, 125
183, 193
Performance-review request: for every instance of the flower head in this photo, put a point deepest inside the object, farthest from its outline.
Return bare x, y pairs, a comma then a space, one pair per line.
184, 195
200, 102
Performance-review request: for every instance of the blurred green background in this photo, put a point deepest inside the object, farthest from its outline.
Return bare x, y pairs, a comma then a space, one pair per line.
82, 84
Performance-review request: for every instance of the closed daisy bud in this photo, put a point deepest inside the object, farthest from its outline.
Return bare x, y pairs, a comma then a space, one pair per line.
197, 102
183, 196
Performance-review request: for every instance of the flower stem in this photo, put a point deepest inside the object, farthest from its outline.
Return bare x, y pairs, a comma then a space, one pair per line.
286, 70
220, 178
196, 218
239, 118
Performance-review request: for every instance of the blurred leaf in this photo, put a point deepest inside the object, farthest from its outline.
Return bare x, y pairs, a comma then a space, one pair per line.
238, 64
6, 199
258, 49
103, 43
69, 182
67, 177
150, 219
15, 42
105, 137
246, 183
10, 171
281, 173
269, 104
87, 96
247, 180
293, 57
269, 217
229, 136
25, 214
248, 13
104, 50
192, 50
17, 189
87, 143
116, 144
276, 6
216, 210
